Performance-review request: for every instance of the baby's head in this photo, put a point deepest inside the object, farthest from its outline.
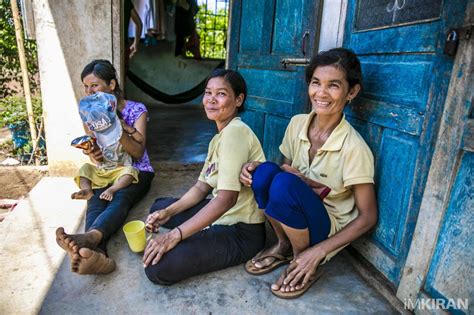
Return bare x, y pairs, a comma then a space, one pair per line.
98, 113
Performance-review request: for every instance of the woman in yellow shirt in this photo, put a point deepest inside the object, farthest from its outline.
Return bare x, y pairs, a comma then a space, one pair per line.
211, 234
322, 197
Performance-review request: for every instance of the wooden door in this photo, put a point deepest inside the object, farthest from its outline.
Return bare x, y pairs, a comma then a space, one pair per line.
262, 34
406, 75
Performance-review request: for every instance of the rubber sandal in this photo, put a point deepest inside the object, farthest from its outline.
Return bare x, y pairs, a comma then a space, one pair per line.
298, 293
279, 261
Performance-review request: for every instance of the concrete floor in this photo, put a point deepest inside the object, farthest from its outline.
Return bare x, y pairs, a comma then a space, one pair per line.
341, 289
178, 133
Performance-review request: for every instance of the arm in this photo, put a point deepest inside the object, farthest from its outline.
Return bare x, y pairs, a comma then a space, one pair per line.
305, 264
194, 195
138, 32
248, 168
163, 243
133, 147
133, 132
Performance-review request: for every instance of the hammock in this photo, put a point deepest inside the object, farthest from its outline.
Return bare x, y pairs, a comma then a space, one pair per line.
166, 98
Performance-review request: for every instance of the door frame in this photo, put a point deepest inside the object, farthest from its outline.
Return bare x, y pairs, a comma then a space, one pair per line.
334, 13
443, 170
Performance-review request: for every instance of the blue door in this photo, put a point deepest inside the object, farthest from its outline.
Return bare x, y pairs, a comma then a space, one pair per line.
262, 34
450, 275
406, 75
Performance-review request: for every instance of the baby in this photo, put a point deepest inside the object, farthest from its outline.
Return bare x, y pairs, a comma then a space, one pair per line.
98, 113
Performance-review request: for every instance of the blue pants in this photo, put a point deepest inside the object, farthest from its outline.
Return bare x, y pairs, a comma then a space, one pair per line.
214, 248
109, 216
289, 200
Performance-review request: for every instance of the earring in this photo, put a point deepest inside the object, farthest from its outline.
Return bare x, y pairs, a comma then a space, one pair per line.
349, 100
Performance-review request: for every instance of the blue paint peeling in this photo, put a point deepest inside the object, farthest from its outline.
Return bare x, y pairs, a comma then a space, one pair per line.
399, 113
406, 81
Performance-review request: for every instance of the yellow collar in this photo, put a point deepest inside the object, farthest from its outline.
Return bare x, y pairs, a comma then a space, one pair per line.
336, 138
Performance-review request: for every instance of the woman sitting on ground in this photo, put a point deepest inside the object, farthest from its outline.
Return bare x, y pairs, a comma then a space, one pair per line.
322, 154
88, 251
211, 234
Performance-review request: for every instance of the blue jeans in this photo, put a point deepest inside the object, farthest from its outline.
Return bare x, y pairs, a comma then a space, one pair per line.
211, 249
289, 200
108, 216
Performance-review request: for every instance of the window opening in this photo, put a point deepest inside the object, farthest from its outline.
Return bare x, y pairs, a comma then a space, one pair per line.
211, 25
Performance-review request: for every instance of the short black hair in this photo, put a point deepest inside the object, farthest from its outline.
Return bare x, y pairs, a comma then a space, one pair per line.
235, 80
104, 70
341, 58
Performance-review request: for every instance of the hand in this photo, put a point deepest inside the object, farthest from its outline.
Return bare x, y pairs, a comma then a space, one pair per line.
133, 49
246, 172
290, 169
94, 152
159, 246
125, 127
157, 219
318, 188
300, 271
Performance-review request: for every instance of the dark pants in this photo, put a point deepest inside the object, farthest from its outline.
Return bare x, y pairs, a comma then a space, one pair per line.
289, 200
109, 216
214, 248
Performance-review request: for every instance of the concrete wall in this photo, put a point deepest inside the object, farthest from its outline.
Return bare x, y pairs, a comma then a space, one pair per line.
158, 66
69, 34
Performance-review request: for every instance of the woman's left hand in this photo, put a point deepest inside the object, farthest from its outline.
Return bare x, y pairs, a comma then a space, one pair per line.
300, 271
159, 246
125, 127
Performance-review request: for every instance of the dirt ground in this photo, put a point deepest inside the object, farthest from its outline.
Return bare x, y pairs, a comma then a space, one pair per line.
17, 181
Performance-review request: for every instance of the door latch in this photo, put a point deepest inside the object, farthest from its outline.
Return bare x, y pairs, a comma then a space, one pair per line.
295, 62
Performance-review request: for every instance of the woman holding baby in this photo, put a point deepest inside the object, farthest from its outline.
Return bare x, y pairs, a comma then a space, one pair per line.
87, 251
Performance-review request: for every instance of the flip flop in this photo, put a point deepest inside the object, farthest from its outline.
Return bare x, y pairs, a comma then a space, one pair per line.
279, 260
298, 293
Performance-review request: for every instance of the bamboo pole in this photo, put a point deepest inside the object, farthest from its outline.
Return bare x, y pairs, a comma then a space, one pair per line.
24, 72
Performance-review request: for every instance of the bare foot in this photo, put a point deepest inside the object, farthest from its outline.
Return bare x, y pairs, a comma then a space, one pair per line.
279, 285
87, 262
283, 249
83, 194
72, 243
108, 194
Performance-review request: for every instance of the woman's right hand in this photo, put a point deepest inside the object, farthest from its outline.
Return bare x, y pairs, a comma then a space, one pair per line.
318, 188
246, 172
157, 219
94, 152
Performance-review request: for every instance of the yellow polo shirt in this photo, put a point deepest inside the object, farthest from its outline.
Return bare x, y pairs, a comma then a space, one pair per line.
231, 148
343, 161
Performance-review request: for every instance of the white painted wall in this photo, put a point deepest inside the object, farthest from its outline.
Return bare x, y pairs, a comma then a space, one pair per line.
70, 34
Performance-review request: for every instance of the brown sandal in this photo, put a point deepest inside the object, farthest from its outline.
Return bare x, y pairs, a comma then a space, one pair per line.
279, 261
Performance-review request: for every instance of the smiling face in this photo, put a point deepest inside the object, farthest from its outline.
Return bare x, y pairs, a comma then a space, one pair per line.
329, 90
93, 84
220, 102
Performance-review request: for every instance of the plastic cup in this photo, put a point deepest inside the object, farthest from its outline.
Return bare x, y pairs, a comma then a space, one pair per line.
135, 234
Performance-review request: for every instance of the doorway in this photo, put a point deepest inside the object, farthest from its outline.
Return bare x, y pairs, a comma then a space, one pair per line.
181, 43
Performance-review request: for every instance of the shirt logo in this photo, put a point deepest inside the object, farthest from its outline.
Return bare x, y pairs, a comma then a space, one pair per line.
210, 169
323, 175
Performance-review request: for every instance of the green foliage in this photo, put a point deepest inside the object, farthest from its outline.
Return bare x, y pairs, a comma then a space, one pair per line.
13, 110
9, 62
212, 29
13, 115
